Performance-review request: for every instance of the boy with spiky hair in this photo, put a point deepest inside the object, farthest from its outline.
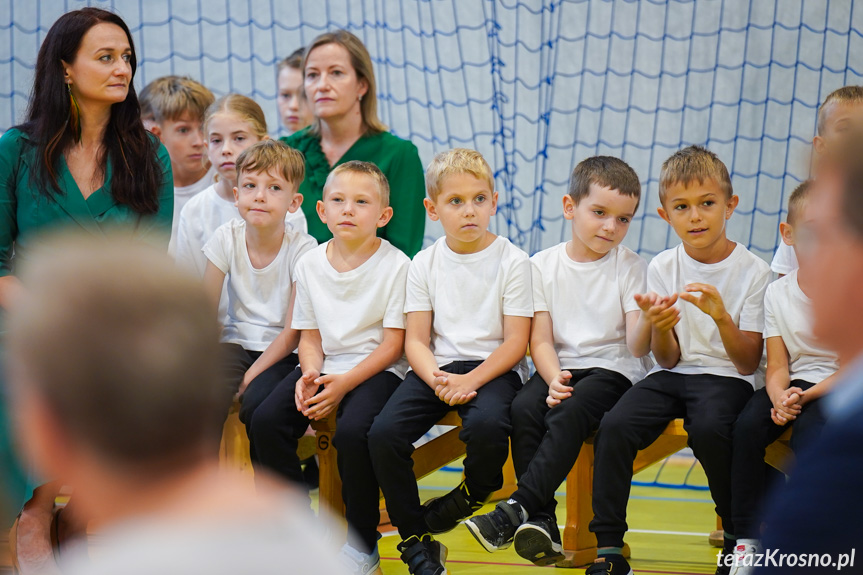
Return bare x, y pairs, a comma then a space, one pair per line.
706, 308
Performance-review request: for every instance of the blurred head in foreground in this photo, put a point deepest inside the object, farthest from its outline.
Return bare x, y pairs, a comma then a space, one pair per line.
113, 364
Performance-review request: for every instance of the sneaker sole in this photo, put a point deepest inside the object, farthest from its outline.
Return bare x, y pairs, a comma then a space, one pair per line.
474, 530
535, 545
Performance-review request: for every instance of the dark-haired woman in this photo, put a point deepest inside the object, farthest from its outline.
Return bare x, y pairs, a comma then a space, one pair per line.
82, 161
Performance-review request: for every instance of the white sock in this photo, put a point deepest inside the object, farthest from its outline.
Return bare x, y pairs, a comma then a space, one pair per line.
753, 542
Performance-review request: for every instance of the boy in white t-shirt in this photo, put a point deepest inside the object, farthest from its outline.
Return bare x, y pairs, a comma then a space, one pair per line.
258, 256
586, 338
707, 346
468, 307
349, 311
839, 114
799, 371
172, 108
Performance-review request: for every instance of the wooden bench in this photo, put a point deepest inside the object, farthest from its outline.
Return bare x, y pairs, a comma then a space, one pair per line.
579, 544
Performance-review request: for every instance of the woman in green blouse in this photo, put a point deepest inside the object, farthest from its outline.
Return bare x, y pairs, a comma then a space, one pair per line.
340, 89
84, 162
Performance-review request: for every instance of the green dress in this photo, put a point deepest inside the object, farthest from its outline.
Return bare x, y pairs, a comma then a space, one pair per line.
24, 213
399, 161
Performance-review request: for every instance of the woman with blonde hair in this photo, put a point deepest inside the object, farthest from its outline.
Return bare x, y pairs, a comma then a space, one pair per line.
340, 89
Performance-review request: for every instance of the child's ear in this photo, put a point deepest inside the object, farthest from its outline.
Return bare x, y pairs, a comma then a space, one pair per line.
386, 216
818, 144
731, 206
787, 232
236, 195
431, 210
663, 214
296, 202
265, 137
319, 207
494, 203
154, 128
568, 207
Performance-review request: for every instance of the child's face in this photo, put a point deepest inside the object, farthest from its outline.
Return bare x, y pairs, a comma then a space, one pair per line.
227, 136
293, 111
698, 212
184, 140
352, 207
841, 119
264, 198
599, 221
799, 234
464, 206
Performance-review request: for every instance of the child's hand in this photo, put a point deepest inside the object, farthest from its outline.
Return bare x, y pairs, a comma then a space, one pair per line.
452, 388
659, 310
710, 302
787, 406
243, 385
558, 388
321, 405
306, 388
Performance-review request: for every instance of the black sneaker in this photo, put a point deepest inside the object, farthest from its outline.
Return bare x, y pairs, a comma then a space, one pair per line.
609, 565
442, 514
423, 555
495, 529
538, 541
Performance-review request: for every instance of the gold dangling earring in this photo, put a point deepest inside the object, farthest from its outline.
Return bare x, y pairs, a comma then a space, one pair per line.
74, 114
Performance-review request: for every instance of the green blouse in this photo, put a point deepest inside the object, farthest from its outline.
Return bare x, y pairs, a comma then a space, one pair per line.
399, 161
24, 211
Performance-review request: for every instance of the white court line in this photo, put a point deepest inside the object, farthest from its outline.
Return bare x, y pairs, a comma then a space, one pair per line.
655, 532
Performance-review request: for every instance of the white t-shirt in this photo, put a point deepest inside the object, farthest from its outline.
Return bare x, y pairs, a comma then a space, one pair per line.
182, 195
741, 280
352, 308
469, 295
287, 540
788, 314
588, 303
200, 218
257, 298
784, 260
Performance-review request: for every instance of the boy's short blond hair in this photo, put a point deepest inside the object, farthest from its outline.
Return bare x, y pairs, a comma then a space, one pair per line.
268, 155
798, 200
694, 164
454, 162
123, 348
367, 169
169, 97
842, 95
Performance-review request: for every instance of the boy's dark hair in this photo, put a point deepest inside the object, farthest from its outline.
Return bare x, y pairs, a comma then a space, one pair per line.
605, 171
694, 164
843, 94
123, 348
365, 168
294, 60
267, 155
797, 200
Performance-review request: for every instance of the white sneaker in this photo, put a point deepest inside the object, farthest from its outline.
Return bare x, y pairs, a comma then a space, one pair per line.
744, 559
358, 562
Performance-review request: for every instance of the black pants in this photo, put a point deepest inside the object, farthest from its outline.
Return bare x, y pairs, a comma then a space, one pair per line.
260, 387
709, 406
753, 432
411, 411
546, 441
277, 427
